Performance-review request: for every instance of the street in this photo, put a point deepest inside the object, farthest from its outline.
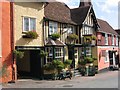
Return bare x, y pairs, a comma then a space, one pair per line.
103, 80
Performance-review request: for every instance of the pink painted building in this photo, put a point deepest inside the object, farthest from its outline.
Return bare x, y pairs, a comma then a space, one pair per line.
107, 46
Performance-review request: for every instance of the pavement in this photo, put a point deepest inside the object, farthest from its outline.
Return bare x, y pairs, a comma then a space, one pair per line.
103, 80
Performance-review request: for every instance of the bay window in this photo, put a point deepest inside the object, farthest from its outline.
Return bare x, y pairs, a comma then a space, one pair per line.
29, 24
58, 52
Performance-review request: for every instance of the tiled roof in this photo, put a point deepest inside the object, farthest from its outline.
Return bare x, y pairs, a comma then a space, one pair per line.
105, 27
54, 42
79, 14
59, 12
118, 31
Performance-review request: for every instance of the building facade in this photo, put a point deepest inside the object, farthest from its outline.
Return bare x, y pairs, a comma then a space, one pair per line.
6, 43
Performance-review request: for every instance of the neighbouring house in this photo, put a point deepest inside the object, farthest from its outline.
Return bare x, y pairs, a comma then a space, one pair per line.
28, 28
6, 43
107, 46
118, 31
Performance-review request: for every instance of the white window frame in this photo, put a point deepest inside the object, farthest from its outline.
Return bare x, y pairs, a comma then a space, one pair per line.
116, 40
54, 26
59, 52
106, 39
113, 42
29, 23
107, 57
88, 51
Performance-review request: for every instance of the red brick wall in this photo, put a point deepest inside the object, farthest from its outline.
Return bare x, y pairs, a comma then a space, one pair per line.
6, 41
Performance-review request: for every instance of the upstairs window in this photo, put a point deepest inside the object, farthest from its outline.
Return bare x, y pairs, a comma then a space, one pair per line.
53, 27
116, 40
29, 24
112, 39
106, 39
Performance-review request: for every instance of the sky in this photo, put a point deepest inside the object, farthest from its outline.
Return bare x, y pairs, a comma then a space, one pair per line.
104, 9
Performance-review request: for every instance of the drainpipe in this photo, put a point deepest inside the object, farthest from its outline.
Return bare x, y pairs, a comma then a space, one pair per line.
14, 77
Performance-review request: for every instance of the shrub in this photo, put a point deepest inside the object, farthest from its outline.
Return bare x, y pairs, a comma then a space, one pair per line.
67, 63
88, 59
82, 62
31, 34
18, 54
48, 67
94, 58
55, 36
43, 53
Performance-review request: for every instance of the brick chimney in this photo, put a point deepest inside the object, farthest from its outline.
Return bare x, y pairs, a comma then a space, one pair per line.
85, 3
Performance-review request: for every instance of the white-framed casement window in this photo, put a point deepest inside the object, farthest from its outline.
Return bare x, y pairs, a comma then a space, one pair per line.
53, 27
70, 29
113, 40
87, 30
106, 56
29, 24
116, 40
58, 52
88, 51
50, 54
106, 39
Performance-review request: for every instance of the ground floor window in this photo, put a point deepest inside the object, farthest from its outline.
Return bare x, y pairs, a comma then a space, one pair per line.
106, 56
54, 53
88, 51
58, 52
50, 54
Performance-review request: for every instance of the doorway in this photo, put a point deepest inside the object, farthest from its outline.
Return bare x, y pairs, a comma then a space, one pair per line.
30, 65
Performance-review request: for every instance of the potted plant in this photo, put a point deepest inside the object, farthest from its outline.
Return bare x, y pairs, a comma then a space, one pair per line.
72, 37
55, 36
43, 53
87, 39
82, 69
31, 35
67, 63
18, 54
88, 60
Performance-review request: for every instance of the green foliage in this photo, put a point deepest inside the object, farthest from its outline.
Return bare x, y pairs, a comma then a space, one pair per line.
82, 62
55, 36
88, 59
55, 64
18, 54
43, 53
94, 37
3, 71
48, 67
58, 64
31, 34
67, 63
94, 58
72, 37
